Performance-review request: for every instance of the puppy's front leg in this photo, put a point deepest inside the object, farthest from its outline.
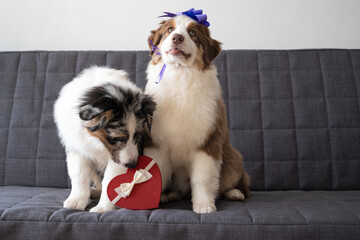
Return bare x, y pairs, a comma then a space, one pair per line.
112, 170
162, 159
204, 180
79, 169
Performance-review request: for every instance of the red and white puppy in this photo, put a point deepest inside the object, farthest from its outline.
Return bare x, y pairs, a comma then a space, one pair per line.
190, 138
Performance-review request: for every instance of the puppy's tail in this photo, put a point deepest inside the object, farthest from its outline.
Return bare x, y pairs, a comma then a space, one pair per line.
234, 183
240, 191
244, 184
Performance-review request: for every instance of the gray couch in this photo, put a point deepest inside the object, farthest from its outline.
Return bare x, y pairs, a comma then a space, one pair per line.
294, 115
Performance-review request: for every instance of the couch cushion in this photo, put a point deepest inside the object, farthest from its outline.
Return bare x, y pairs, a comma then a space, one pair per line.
38, 212
293, 114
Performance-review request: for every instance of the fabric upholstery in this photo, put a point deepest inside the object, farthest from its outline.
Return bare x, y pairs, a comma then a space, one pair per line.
294, 115
38, 212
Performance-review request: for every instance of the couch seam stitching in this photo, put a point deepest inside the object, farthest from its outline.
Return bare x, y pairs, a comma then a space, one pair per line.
328, 121
11, 115
262, 120
295, 125
356, 85
41, 117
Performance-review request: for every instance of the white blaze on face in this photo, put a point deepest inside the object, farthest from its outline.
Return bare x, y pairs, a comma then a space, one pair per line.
187, 46
130, 152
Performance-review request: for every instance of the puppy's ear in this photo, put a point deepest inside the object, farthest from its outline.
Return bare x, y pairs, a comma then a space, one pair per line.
148, 107
155, 37
212, 48
215, 49
94, 121
89, 112
97, 108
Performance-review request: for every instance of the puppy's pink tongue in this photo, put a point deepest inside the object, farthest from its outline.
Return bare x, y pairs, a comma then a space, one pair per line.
175, 51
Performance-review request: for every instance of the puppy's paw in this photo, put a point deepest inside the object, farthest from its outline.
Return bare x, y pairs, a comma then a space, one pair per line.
204, 208
234, 195
78, 202
102, 209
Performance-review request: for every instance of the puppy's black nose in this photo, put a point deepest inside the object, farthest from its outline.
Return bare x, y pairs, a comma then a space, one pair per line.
131, 164
177, 38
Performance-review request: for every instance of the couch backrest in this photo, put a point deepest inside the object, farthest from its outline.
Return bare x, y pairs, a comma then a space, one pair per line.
294, 115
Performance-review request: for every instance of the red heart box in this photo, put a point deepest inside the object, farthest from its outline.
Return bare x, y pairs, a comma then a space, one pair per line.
145, 195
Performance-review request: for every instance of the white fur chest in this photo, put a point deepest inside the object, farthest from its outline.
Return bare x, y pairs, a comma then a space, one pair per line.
186, 107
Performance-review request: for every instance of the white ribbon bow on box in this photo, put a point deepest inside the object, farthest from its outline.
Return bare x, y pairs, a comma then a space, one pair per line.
140, 176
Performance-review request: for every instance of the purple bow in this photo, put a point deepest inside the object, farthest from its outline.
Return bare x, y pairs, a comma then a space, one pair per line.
197, 15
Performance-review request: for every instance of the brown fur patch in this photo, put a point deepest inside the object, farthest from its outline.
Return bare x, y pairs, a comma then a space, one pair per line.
214, 143
157, 37
148, 142
101, 135
107, 116
218, 146
199, 63
100, 120
209, 48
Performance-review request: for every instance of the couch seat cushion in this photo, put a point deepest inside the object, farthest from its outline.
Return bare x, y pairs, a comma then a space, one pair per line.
29, 211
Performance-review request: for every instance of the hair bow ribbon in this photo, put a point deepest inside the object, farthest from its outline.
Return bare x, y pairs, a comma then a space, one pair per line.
196, 15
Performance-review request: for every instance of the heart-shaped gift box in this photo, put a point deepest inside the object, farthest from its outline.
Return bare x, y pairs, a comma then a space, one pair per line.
138, 188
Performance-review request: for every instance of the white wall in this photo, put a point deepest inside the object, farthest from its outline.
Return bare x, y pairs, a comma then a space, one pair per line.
125, 25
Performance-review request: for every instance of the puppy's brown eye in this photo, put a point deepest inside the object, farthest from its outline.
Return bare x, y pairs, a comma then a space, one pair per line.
192, 32
171, 29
